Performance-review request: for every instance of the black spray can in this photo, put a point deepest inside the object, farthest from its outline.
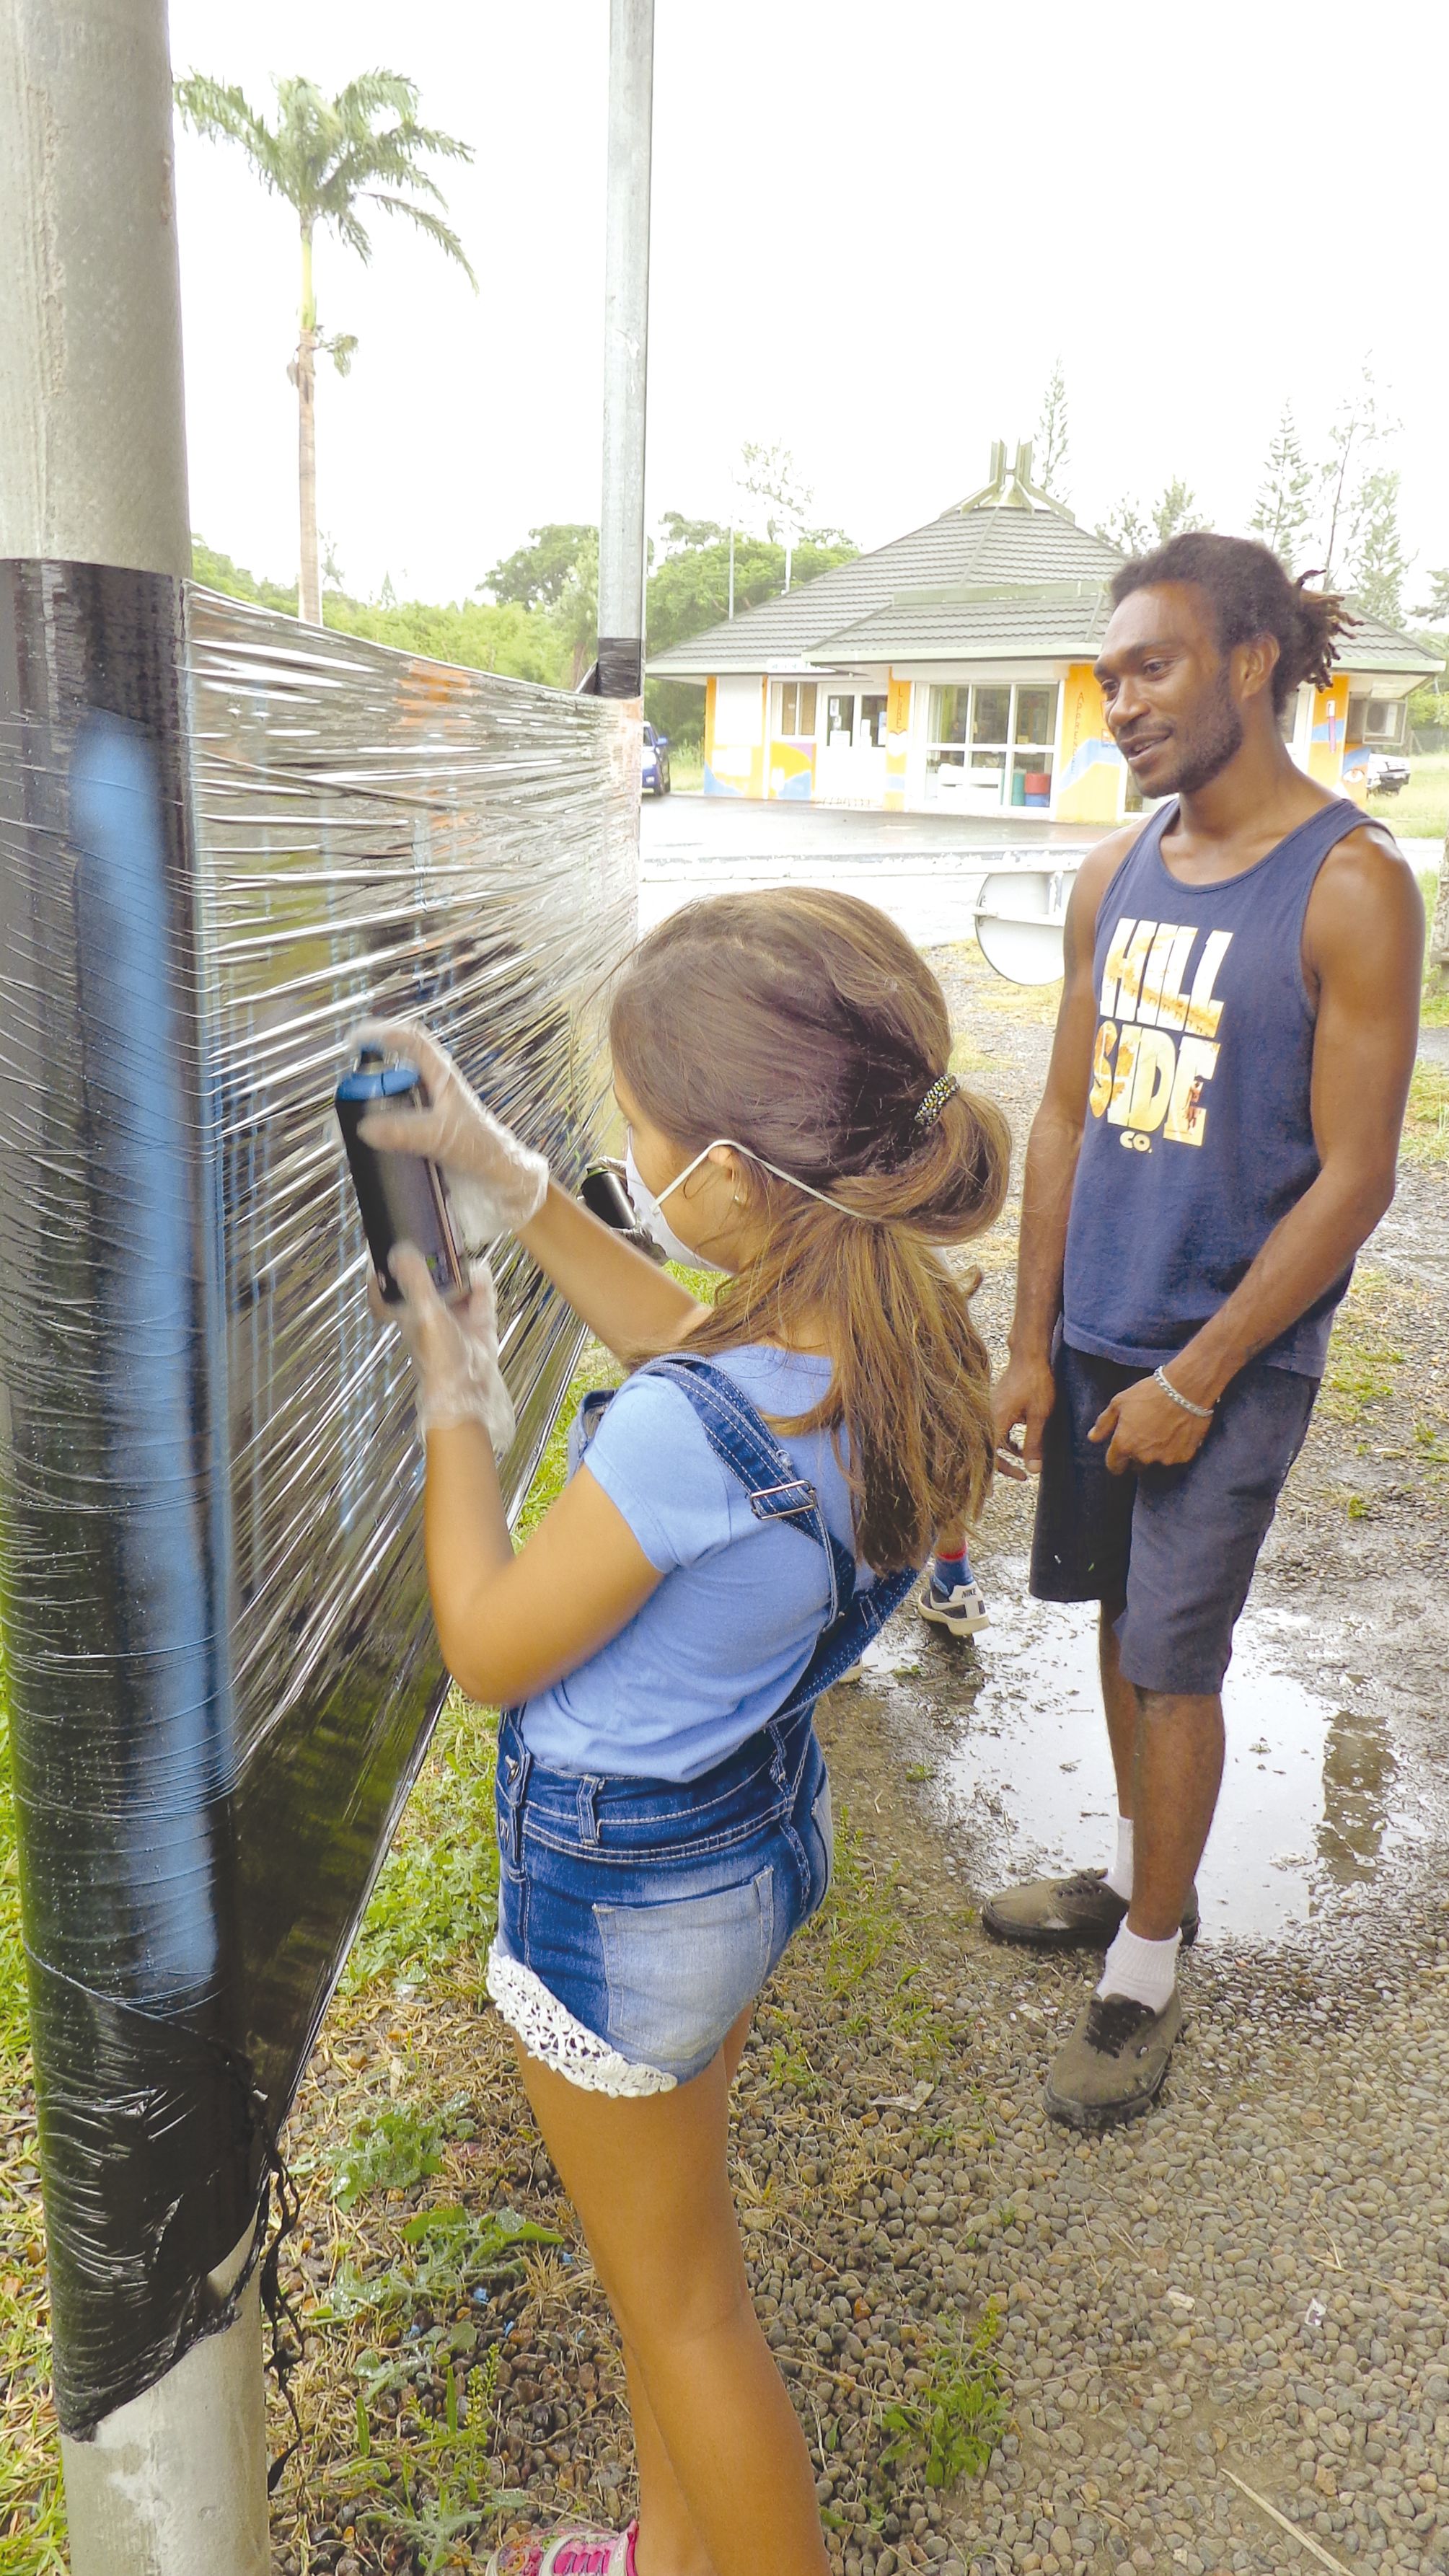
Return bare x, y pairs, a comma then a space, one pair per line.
401, 1196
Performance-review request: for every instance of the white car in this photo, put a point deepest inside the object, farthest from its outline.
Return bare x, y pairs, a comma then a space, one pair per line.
1385, 772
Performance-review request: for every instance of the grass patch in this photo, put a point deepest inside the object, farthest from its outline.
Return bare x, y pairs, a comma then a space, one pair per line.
1361, 1355
32, 2525
1420, 811
1426, 1125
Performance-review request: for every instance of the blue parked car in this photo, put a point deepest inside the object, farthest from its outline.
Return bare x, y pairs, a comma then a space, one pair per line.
655, 780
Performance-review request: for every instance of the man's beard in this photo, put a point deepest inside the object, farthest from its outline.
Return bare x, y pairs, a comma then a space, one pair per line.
1214, 740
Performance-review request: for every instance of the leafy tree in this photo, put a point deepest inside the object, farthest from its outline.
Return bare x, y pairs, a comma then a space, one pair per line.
525, 643
1284, 508
1376, 562
216, 571
327, 157
1050, 444
538, 574
1436, 607
689, 588
683, 536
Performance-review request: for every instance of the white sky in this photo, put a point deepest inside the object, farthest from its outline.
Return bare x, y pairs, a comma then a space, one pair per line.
875, 228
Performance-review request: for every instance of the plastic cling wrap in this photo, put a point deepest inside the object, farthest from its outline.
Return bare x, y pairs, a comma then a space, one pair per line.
221, 837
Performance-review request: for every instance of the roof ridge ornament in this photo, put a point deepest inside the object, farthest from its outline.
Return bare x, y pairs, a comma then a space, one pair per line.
1011, 488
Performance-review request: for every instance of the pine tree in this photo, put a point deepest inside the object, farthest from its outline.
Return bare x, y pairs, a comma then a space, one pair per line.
1128, 526
1376, 563
1285, 506
1050, 443
1175, 511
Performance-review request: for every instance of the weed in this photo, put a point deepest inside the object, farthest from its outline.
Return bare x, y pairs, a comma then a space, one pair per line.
388, 2151
952, 2425
917, 1772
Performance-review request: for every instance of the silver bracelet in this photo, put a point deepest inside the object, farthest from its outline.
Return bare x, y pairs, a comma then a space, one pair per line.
1202, 1412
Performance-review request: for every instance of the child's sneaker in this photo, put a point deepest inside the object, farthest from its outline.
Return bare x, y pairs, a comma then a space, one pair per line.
580, 2552
958, 1606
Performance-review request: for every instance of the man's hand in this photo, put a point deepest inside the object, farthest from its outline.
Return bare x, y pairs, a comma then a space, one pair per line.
1023, 1395
1144, 1428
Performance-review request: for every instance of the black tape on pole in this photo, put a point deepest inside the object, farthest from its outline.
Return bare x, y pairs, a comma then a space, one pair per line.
222, 836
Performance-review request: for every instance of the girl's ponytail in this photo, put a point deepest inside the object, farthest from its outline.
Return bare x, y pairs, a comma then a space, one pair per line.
806, 1028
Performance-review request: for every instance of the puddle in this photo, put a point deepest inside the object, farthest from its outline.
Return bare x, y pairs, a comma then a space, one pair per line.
1315, 1800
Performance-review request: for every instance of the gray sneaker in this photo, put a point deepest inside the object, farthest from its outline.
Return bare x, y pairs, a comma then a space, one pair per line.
1076, 1913
1112, 2067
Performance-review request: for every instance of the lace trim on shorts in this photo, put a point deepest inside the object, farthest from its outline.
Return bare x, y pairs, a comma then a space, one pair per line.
550, 2032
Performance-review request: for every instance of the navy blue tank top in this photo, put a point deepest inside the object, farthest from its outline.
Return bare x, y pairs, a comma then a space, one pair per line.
1199, 1135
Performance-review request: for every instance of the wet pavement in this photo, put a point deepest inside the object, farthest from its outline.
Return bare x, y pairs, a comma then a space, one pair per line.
1320, 1805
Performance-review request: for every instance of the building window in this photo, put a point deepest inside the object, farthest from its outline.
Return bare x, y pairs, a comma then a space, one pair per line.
795, 710
855, 720
991, 745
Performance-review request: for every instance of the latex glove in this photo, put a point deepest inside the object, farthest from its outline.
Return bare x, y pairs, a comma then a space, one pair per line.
494, 1180
453, 1349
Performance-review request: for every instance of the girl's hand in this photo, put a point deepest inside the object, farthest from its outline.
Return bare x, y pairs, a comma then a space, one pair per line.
453, 1349
494, 1180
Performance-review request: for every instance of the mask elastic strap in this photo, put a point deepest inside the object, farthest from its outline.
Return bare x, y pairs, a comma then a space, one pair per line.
810, 1191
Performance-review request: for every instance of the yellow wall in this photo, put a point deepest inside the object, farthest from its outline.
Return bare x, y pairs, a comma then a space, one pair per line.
1330, 728
898, 737
792, 770
708, 722
1089, 769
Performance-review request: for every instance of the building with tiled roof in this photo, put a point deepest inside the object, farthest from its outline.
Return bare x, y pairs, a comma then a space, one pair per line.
952, 668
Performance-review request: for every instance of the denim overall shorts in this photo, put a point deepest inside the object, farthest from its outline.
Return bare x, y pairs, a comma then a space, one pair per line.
637, 1918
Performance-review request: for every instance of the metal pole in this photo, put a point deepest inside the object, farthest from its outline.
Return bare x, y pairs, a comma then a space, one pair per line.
172, 2479
626, 349
92, 431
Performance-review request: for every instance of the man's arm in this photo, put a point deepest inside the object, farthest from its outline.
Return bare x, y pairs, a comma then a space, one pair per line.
1363, 950
1026, 1391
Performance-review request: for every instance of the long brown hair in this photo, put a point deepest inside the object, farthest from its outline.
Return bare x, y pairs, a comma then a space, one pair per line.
804, 1027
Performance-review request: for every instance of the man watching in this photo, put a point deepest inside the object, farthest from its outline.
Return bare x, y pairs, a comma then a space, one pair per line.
1217, 1138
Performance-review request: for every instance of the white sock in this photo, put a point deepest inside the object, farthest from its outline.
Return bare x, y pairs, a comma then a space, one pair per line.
1119, 1876
1144, 1971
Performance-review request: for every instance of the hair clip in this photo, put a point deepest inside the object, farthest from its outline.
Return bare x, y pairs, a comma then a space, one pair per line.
934, 1102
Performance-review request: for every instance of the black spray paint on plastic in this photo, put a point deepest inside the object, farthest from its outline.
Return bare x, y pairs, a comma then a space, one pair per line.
221, 838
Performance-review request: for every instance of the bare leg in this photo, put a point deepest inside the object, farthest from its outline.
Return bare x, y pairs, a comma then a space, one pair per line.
1119, 1699
667, 2533
1179, 1774
649, 2182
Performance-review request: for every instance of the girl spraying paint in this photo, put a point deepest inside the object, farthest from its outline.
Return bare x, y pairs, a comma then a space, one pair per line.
744, 1513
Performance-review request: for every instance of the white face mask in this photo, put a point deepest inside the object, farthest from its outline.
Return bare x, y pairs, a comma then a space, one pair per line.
649, 1211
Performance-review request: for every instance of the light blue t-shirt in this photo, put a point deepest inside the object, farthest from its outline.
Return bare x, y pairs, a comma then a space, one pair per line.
722, 1642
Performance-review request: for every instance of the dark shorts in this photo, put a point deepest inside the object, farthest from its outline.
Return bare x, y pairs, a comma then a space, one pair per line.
1179, 1544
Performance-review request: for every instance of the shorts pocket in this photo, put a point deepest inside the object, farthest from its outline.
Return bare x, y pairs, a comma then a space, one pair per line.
679, 1974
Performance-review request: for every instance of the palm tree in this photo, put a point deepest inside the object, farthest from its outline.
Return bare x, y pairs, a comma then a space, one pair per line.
328, 156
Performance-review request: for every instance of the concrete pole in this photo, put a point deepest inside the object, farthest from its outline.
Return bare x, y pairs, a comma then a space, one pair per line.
93, 470
626, 349
92, 430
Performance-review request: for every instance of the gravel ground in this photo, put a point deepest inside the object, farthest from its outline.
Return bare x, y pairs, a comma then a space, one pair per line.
1217, 2340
